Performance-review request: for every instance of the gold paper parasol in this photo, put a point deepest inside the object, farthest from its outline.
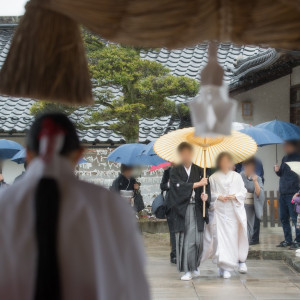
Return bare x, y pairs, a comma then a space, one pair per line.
206, 150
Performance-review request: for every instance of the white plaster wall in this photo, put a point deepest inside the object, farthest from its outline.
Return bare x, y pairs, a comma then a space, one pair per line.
11, 170
295, 77
270, 101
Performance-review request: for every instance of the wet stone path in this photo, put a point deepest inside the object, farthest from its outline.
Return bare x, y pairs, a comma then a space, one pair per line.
266, 279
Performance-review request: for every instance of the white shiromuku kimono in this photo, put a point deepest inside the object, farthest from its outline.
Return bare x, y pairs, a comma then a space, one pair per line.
99, 248
225, 237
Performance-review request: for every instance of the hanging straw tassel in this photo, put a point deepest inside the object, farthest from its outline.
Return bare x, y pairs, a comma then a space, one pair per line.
47, 59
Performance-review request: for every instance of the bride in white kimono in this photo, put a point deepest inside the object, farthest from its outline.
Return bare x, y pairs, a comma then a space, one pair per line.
225, 237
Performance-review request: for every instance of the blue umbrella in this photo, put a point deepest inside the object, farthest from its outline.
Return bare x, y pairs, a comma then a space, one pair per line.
82, 161
20, 157
128, 154
149, 157
150, 160
149, 149
9, 148
285, 130
262, 137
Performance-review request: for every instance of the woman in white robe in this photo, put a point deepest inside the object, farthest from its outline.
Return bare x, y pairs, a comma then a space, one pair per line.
85, 246
225, 237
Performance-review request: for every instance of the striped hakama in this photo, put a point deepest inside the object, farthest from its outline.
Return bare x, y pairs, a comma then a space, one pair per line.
189, 244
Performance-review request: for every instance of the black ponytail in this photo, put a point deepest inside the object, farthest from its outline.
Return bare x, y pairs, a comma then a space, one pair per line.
47, 200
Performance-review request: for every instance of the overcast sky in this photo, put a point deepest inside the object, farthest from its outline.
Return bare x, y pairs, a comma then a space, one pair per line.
12, 7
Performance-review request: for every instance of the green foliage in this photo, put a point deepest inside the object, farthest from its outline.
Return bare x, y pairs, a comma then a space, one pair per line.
146, 86
45, 106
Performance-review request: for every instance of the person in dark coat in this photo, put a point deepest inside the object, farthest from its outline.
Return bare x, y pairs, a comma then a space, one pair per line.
165, 187
288, 186
125, 180
186, 198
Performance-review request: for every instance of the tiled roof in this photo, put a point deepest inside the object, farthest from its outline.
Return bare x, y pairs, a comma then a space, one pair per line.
151, 129
14, 114
237, 62
5, 39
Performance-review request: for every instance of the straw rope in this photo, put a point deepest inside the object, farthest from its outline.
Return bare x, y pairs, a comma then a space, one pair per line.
173, 24
47, 61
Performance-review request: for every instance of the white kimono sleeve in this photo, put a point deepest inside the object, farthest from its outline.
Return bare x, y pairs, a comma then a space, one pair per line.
214, 193
241, 191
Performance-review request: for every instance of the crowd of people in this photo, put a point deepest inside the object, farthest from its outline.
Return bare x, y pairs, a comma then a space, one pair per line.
63, 238
234, 199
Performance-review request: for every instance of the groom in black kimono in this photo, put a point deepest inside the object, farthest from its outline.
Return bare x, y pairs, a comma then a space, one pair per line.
186, 198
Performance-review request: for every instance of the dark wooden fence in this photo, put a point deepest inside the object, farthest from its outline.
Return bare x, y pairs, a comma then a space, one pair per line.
271, 210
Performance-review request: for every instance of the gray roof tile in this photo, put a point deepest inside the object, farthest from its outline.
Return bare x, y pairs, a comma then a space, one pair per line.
236, 60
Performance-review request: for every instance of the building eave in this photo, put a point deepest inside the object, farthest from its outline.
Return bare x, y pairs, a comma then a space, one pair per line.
282, 67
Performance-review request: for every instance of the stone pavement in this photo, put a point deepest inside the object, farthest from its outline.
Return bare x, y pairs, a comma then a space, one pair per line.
266, 279
269, 238
266, 249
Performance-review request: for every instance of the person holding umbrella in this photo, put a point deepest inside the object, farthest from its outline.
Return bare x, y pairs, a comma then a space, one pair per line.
263, 136
125, 181
183, 147
186, 199
128, 187
288, 186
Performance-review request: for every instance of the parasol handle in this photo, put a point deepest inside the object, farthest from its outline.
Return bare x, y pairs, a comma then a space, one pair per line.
204, 176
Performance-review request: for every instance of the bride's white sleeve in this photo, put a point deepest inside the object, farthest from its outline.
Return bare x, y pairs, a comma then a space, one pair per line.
241, 190
214, 193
